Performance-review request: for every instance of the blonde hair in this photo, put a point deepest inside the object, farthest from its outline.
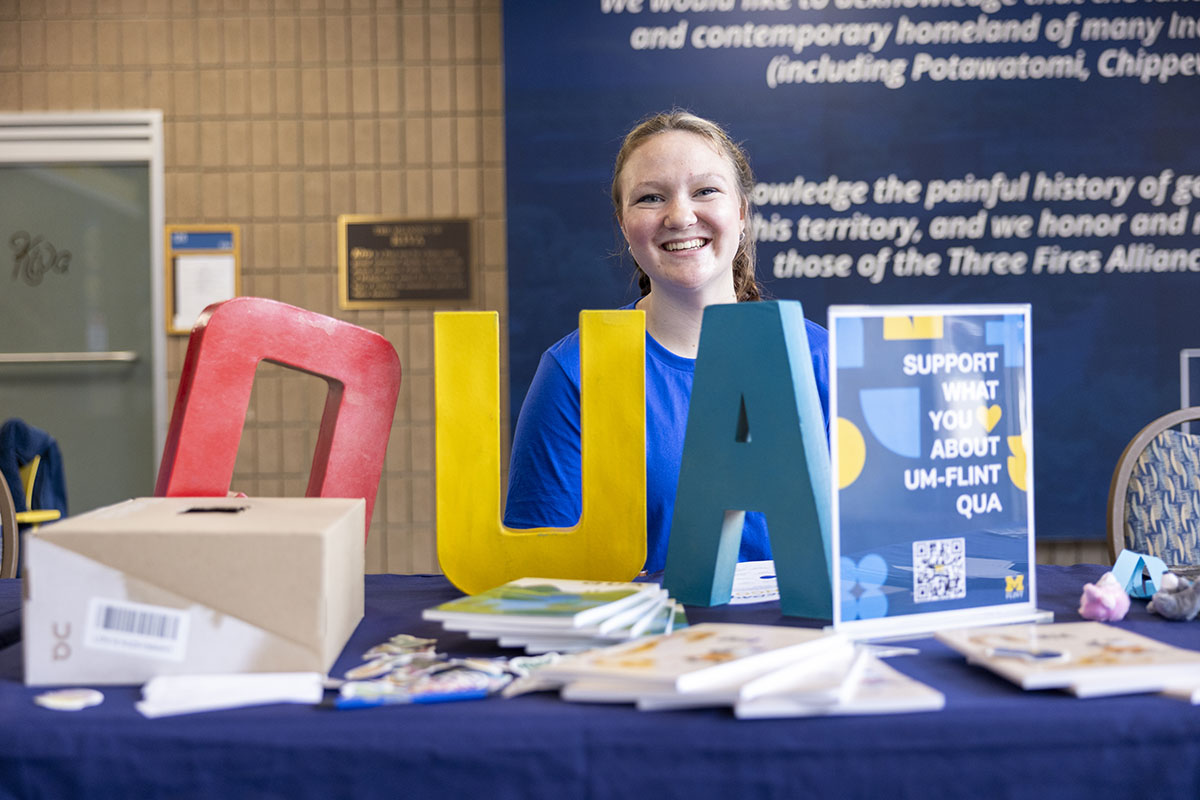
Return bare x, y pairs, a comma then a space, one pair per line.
745, 284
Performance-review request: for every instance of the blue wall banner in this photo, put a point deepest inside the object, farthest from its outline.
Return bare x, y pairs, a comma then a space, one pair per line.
907, 151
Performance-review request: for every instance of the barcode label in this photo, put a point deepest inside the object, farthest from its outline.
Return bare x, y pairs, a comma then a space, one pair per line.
137, 629
142, 623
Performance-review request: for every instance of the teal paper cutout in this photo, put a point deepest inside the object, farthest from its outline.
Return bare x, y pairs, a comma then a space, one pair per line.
779, 465
1140, 574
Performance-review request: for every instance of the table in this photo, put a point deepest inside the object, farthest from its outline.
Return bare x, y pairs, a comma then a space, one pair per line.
991, 741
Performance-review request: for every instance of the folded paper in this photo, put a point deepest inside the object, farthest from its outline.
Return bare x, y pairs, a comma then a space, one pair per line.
170, 695
1140, 575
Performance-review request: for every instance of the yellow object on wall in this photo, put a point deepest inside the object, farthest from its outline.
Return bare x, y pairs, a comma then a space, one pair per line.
475, 550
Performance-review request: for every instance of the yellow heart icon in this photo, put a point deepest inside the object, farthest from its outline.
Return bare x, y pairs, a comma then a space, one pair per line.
988, 416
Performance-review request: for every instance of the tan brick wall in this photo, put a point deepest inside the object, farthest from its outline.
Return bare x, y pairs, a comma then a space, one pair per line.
279, 115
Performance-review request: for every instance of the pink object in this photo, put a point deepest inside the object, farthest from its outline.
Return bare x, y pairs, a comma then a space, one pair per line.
1105, 600
227, 342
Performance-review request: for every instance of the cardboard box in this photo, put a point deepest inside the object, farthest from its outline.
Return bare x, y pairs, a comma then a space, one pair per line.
172, 585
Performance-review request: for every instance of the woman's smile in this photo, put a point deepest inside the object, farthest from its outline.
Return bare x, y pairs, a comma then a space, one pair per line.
689, 244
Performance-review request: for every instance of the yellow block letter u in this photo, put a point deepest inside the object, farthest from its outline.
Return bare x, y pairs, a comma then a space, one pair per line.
475, 550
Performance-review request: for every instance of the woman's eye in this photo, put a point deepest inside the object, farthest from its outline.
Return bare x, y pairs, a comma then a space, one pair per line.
707, 190
649, 198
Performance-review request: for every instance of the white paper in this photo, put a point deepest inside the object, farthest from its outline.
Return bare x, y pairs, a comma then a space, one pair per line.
200, 281
167, 695
754, 582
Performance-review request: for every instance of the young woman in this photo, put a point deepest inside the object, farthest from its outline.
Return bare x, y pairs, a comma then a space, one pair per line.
680, 190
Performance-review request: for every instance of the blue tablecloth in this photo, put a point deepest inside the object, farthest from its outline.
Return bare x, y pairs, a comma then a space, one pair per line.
991, 741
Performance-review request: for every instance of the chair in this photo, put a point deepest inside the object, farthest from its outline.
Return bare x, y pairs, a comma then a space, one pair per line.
11, 520
10, 544
226, 344
33, 517
34, 485
1154, 498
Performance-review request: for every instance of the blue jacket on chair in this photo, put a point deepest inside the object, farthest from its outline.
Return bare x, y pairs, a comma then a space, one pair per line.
19, 443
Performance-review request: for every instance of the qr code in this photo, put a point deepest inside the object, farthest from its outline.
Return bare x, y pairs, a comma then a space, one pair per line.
939, 570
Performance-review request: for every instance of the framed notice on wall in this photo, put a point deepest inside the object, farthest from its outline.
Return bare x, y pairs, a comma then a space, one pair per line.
388, 263
203, 265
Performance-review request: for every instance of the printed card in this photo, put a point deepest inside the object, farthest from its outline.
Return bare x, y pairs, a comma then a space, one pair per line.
932, 451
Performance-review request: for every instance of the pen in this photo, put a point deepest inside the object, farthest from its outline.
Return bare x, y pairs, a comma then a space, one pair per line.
409, 699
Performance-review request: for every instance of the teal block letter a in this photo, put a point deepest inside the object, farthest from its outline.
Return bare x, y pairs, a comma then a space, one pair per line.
755, 441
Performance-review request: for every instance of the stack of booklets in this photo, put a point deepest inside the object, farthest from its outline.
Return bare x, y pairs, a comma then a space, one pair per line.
546, 615
758, 670
1088, 659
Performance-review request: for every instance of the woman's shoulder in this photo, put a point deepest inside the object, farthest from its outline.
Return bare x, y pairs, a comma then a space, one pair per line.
562, 359
818, 337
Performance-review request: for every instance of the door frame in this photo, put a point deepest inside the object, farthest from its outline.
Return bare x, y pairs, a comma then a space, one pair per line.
107, 137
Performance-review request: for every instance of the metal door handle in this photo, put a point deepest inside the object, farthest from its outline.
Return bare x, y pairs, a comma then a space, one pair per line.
120, 356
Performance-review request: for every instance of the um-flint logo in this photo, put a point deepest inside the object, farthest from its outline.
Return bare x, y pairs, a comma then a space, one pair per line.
1014, 587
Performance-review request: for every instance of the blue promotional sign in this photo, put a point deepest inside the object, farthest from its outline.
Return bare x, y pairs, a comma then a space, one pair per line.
931, 408
983, 151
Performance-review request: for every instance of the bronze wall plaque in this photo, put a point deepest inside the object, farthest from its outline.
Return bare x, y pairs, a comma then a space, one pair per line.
385, 262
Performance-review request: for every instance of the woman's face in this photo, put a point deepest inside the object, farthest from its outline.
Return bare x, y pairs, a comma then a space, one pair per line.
682, 214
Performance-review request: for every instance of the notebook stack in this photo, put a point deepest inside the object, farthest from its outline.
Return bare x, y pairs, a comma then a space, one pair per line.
1087, 659
545, 615
757, 670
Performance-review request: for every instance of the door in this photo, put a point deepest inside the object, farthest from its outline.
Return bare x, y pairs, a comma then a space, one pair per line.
82, 340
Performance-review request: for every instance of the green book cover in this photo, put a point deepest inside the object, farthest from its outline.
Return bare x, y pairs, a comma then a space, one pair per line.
552, 602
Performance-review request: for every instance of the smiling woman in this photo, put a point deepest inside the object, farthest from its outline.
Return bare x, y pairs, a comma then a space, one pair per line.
680, 190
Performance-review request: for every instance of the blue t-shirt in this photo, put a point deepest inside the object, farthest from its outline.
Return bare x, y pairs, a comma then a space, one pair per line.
544, 484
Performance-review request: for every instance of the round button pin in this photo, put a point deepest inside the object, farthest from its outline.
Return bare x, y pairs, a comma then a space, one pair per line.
69, 699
